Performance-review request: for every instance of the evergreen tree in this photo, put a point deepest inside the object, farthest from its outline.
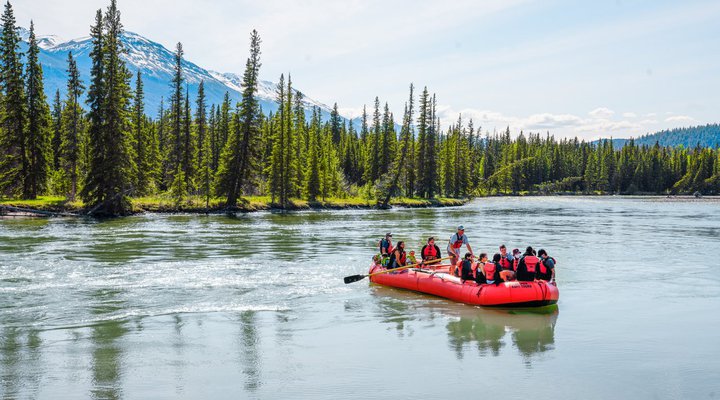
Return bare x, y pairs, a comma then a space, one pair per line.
405, 148
189, 150
57, 112
204, 159
39, 135
14, 168
335, 125
239, 152
177, 114
312, 177
71, 139
143, 142
108, 178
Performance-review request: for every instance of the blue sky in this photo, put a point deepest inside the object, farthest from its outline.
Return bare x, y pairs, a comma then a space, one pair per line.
587, 69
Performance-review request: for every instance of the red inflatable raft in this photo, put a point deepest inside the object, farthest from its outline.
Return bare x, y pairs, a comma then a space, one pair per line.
440, 283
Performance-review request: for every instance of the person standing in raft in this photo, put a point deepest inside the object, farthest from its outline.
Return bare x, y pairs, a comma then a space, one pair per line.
386, 244
398, 258
457, 240
430, 252
528, 266
546, 268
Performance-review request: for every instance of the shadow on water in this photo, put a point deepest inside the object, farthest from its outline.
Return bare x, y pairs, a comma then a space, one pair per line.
250, 343
107, 352
530, 330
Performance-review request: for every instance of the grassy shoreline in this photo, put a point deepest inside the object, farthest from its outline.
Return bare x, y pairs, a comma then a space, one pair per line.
163, 204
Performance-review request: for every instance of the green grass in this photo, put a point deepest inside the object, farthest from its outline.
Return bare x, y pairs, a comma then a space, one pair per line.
164, 203
45, 203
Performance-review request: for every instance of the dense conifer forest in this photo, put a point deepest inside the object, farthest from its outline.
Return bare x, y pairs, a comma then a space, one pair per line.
111, 149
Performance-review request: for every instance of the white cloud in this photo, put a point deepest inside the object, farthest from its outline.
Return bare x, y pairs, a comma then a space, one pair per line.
601, 112
547, 121
350, 112
629, 115
680, 118
563, 125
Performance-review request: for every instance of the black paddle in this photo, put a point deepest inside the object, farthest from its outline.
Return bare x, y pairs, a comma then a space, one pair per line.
355, 278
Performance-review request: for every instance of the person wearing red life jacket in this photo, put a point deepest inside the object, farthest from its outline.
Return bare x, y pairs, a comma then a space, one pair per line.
546, 268
457, 240
528, 266
506, 274
398, 258
430, 252
516, 258
466, 268
488, 272
506, 259
386, 246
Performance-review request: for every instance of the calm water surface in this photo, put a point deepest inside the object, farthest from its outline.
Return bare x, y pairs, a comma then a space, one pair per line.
254, 306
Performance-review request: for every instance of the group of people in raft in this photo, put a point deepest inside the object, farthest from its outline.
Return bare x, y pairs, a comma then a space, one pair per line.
503, 267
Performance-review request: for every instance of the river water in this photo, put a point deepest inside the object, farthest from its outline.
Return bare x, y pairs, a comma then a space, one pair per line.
254, 306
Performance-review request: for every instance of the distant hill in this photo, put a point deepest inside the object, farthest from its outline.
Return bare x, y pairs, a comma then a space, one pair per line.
703, 135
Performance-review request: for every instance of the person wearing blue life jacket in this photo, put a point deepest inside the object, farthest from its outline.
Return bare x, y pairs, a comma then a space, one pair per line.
546, 268
398, 258
528, 266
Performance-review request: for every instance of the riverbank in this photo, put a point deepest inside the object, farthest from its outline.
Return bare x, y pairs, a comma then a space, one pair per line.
162, 204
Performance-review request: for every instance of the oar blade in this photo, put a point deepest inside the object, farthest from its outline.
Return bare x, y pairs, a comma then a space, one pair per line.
353, 278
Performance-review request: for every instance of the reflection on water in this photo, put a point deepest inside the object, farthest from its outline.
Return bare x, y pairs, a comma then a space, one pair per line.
530, 331
10, 361
107, 352
249, 345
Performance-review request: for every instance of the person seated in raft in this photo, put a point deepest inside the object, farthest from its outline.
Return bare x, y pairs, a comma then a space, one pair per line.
506, 274
457, 240
516, 258
487, 271
506, 259
546, 268
411, 258
527, 266
430, 252
466, 268
398, 258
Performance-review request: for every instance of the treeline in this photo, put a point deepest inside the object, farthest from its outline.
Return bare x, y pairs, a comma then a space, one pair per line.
111, 150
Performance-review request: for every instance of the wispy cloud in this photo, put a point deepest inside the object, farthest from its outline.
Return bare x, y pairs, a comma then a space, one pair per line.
601, 122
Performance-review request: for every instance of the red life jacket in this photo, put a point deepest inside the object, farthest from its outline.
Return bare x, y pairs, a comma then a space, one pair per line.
458, 243
489, 268
531, 263
403, 259
504, 263
429, 253
543, 268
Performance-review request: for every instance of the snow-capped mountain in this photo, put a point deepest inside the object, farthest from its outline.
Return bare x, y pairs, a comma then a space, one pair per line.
156, 63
